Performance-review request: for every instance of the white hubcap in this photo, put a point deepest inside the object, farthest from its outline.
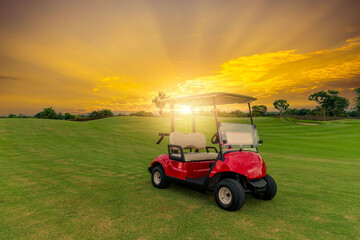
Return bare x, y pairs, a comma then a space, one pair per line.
157, 178
225, 195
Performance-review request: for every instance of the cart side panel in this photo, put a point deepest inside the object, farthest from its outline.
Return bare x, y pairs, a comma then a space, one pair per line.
198, 169
172, 168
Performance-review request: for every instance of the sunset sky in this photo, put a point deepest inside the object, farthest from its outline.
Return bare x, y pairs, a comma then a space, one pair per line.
79, 56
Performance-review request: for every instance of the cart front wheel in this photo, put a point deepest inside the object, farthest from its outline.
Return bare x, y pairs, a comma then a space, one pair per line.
271, 189
158, 178
229, 194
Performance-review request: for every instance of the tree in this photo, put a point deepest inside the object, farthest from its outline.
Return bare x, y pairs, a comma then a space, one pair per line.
159, 103
94, 114
336, 105
281, 105
297, 112
340, 104
142, 114
106, 113
237, 114
21, 116
292, 111
330, 102
320, 98
12, 115
259, 110
354, 114
357, 99
60, 116
223, 113
303, 111
47, 113
316, 111
101, 113
69, 116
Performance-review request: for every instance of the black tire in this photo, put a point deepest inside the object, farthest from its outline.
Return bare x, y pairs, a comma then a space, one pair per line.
158, 178
229, 194
271, 189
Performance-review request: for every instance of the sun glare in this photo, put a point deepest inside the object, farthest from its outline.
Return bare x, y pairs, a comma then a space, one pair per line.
186, 110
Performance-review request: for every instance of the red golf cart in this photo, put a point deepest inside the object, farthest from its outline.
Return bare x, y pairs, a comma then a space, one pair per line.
231, 170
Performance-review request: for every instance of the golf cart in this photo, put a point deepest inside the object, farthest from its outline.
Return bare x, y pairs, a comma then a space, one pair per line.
231, 170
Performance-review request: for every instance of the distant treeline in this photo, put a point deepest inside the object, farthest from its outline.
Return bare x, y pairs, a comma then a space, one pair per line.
50, 113
331, 106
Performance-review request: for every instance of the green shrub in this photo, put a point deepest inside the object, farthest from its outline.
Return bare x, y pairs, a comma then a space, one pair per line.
68, 116
106, 113
47, 113
297, 112
22, 116
354, 114
60, 116
259, 110
223, 114
101, 113
237, 113
142, 114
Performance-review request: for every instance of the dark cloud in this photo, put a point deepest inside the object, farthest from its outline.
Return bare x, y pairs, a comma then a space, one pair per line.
80, 110
8, 78
350, 83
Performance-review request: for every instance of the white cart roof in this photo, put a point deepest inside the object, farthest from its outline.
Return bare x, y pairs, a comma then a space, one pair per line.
209, 99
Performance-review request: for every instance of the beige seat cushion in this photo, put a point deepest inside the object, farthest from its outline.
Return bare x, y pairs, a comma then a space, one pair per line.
194, 156
193, 140
196, 140
178, 138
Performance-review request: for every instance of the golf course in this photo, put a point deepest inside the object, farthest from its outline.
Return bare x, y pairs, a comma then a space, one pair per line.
89, 180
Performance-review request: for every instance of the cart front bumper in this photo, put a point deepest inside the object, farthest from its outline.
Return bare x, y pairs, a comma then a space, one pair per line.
258, 186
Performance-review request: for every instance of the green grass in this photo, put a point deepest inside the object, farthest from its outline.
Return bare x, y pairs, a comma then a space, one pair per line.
89, 180
294, 120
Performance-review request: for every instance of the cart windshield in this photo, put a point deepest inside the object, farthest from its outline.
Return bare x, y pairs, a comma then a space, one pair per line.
234, 136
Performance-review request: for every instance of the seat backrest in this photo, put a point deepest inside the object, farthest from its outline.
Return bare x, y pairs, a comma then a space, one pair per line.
196, 140
193, 140
178, 138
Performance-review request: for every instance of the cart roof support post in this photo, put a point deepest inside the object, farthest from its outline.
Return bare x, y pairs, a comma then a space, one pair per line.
252, 123
172, 118
193, 118
216, 117
217, 127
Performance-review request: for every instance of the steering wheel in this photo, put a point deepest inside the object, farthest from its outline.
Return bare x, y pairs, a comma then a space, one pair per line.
215, 138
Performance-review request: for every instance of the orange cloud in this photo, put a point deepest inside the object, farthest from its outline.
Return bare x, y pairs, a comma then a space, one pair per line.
284, 74
267, 76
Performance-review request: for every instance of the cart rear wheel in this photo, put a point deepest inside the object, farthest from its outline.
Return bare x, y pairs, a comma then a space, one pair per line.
229, 194
158, 178
271, 189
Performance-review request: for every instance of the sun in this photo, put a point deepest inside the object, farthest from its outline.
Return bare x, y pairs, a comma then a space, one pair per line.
186, 110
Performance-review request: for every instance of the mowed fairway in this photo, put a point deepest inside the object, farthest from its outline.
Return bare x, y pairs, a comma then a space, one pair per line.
89, 180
